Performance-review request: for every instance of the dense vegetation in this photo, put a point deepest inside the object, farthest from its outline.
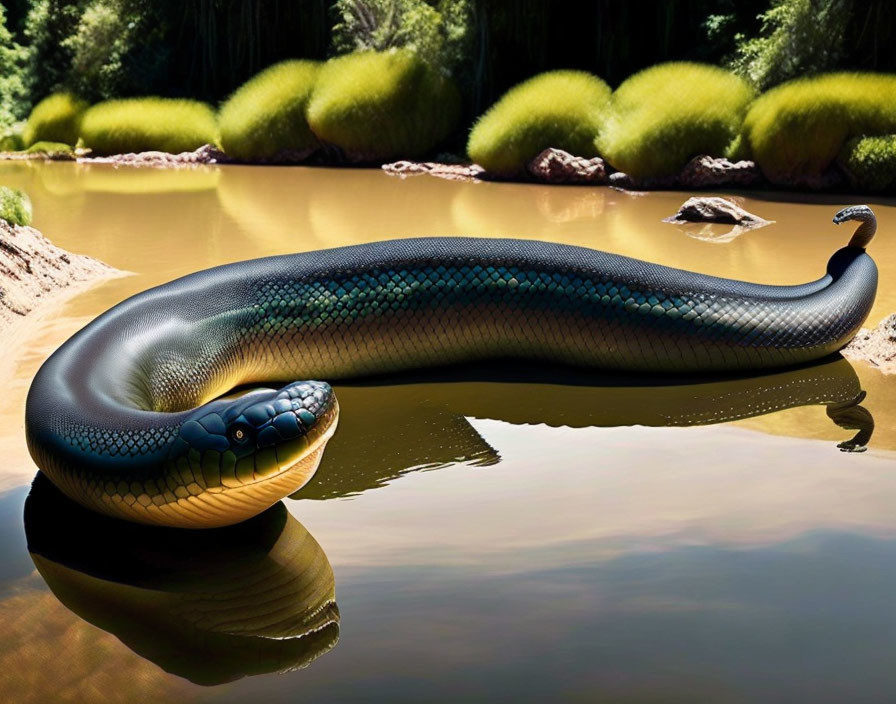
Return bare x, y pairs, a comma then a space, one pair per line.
377, 106
664, 116
56, 118
562, 109
266, 116
374, 80
796, 131
15, 206
145, 124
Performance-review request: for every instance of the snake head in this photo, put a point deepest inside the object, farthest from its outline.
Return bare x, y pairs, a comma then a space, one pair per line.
243, 440
854, 212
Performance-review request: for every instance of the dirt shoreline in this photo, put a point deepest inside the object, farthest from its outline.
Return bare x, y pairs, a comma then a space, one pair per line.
33, 271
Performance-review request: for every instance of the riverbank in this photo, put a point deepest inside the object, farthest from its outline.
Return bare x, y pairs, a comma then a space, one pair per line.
33, 270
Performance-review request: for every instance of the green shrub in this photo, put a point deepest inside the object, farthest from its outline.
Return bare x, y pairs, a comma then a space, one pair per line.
51, 149
796, 130
382, 106
561, 109
148, 124
11, 142
15, 206
870, 162
664, 116
267, 114
56, 118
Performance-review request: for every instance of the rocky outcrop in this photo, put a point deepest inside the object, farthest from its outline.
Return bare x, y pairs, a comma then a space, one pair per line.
207, 154
32, 267
877, 347
452, 172
700, 172
558, 166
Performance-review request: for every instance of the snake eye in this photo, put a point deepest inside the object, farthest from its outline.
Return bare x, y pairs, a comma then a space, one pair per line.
240, 433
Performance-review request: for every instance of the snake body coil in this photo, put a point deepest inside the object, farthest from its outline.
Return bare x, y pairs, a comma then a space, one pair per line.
122, 416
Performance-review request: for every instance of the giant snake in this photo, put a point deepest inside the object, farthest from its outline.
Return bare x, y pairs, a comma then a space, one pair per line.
127, 417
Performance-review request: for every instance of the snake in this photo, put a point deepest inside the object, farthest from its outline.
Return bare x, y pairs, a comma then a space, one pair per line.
134, 415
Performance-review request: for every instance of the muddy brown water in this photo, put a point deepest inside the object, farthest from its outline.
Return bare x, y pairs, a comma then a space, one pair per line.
489, 534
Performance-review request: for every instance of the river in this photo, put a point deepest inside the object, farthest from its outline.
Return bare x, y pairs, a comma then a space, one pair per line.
491, 533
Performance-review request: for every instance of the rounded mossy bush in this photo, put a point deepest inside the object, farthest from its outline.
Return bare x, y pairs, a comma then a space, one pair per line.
379, 106
51, 149
15, 206
560, 109
870, 162
797, 129
664, 116
148, 124
56, 118
266, 115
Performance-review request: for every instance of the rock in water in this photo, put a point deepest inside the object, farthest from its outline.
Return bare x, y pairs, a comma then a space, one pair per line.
558, 166
715, 209
31, 267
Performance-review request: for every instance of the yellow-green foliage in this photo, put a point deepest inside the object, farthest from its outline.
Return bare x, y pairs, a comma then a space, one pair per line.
15, 206
664, 116
54, 119
266, 115
11, 142
796, 130
378, 106
148, 124
50, 148
561, 109
870, 162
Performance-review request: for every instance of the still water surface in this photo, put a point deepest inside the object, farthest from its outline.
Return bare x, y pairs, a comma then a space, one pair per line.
489, 533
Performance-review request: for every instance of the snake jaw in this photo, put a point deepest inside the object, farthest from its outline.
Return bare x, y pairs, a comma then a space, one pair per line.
256, 436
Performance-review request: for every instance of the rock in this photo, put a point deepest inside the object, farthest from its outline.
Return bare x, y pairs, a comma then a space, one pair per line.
700, 172
32, 267
452, 172
708, 172
877, 347
558, 166
206, 154
714, 209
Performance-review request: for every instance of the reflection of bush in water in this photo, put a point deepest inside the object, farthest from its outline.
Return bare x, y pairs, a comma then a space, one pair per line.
508, 210
267, 204
141, 180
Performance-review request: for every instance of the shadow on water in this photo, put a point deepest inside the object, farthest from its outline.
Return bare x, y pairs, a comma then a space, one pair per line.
392, 425
211, 606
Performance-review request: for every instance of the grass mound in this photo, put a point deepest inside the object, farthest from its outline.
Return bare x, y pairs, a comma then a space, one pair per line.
266, 115
796, 130
561, 109
870, 162
664, 116
382, 106
148, 124
11, 142
56, 118
51, 149
15, 206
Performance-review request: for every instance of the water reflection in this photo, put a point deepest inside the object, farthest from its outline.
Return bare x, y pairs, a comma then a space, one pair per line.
393, 425
212, 606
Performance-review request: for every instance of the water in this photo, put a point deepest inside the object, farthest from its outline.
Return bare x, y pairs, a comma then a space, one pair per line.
490, 534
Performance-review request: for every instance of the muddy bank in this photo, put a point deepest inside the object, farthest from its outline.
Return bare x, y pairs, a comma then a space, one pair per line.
32, 269
876, 347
